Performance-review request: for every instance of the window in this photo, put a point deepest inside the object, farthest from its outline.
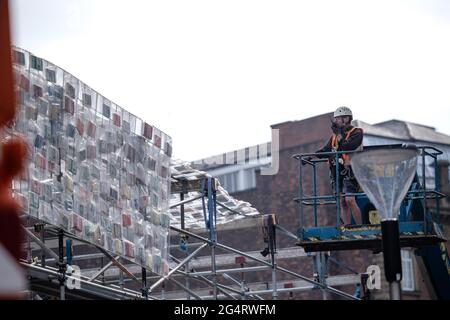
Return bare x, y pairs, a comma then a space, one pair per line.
19, 57
106, 111
229, 181
168, 149
36, 63
238, 180
50, 75
37, 91
70, 90
249, 181
87, 100
408, 271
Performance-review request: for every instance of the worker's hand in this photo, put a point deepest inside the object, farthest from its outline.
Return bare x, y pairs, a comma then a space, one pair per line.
339, 137
335, 128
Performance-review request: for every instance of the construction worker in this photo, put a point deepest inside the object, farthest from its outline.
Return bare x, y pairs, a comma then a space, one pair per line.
345, 137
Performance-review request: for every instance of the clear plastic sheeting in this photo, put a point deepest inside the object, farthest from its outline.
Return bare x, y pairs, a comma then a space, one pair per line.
385, 174
193, 211
95, 170
395, 131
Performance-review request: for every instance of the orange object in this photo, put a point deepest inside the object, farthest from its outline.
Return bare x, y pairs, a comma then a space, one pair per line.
7, 96
13, 155
11, 164
334, 142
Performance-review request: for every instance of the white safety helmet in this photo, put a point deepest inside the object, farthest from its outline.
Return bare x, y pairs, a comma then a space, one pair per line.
343, 111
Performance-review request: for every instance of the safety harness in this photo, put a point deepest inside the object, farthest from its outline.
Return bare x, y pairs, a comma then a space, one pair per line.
334, 144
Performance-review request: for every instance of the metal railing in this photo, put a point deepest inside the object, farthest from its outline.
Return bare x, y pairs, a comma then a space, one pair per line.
312, 160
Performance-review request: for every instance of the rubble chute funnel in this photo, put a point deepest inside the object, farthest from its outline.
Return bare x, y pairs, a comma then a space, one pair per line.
385, 174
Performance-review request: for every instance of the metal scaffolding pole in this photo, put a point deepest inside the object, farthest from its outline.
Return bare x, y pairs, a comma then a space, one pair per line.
41, 244
29, 254
144, 283
338, 292
189, 291
102, 270
182, 263
242, 285
220, 288
225, 271
105, 252
43, 251
61, 265
200, 278
91, 288
183, 202
121, 282
213, 265
274, 278
185, 240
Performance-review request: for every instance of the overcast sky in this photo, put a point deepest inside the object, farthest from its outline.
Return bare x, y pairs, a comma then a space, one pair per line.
215, 75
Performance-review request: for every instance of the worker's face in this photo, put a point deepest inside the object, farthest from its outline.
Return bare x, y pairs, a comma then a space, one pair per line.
342, 121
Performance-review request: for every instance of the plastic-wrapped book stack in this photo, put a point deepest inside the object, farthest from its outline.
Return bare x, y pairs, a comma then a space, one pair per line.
232, 209
95, 170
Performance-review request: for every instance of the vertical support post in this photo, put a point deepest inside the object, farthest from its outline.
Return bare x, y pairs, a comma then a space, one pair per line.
300, 197
315, 193
270, 223
365, 292
211, 188
338, 191
321, 271
144, 284
316, 267
102, 264
121, 279
395, 291
186, 267
437, 184
29, 253
214, 270
62, 265
274, 277
392, 257
43, 264
69, 251
424, 186
242, 283
323, 274
182, 210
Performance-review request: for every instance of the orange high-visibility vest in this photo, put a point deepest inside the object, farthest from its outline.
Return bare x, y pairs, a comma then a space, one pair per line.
334, 144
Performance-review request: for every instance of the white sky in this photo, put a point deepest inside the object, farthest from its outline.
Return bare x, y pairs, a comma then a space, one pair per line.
215, 75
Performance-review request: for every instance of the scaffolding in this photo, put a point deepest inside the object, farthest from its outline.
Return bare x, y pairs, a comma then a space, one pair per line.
49, 272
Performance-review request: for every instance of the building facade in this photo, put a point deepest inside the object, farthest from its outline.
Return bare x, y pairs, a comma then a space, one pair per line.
275, 194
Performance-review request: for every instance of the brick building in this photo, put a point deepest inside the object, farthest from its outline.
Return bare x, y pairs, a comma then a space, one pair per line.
275, 193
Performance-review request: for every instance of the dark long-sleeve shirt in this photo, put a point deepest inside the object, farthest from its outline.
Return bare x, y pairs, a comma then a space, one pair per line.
352, 143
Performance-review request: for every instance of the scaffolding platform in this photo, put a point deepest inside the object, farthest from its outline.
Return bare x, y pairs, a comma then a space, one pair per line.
358, 237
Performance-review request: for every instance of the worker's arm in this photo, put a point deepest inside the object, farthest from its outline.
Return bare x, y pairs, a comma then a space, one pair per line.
326, 148
354, 141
